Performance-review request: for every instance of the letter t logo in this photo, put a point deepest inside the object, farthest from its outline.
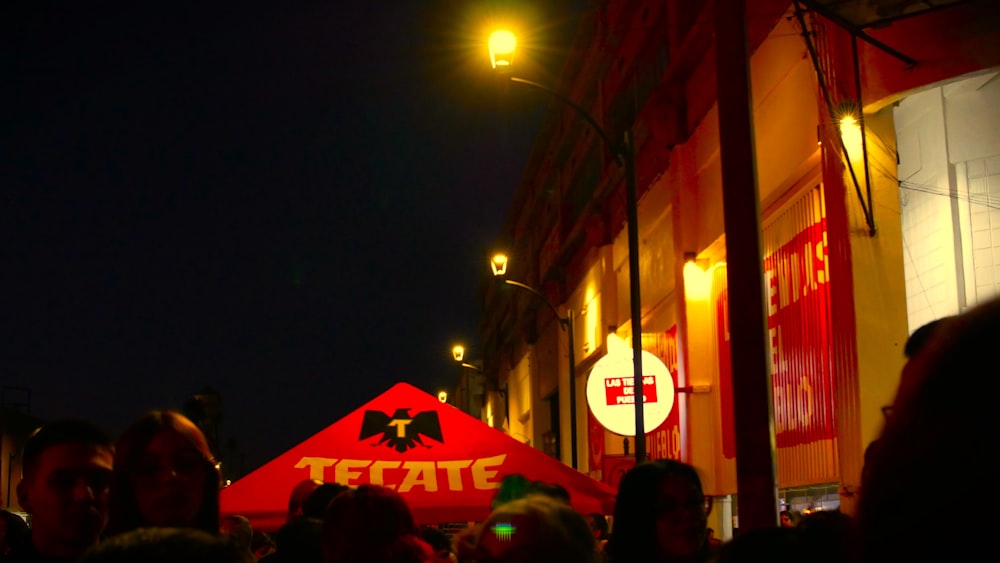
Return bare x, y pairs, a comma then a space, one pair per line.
400, 424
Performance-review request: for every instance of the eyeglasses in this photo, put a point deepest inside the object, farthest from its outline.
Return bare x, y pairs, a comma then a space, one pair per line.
184, 465
669, 506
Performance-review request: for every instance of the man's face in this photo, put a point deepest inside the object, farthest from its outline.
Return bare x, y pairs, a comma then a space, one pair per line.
67, 496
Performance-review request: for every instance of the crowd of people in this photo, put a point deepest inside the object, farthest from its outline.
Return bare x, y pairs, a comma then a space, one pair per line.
153, 495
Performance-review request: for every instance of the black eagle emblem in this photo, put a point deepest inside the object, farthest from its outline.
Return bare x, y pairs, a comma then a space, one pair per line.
401, 431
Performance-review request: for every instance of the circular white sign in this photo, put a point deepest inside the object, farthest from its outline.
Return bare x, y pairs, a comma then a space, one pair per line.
611, 393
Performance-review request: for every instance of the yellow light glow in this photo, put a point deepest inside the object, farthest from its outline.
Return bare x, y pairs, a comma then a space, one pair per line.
617, 346
697, 282
502, 45
850, 131
458, 352
443, 396
499, 264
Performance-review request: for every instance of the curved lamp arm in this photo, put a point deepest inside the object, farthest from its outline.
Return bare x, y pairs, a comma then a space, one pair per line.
612, 146
562, 320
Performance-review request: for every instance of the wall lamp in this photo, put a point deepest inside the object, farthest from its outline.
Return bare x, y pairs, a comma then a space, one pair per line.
696, 280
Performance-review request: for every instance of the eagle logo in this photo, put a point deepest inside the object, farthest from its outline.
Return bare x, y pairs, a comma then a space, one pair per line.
401, 431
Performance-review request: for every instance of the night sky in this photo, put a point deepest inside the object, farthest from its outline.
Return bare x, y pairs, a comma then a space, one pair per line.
290, 202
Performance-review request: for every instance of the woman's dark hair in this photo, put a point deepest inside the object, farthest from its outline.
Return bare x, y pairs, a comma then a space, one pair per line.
372, 523
123, 511
634, 536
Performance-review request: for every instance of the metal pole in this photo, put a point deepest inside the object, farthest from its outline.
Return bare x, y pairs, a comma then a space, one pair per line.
624, 155
566, 323
572, 389
756, 483
632, 214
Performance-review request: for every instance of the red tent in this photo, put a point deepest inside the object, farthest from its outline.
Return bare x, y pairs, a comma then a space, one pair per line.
445, 463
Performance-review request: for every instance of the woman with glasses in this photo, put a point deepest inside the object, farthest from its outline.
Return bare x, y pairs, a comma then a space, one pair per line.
661, 515
164, 476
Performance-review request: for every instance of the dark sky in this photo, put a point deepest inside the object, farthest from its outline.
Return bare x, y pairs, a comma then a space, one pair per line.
291, 202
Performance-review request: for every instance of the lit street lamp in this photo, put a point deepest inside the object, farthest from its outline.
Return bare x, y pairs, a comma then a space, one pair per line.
458, 354
502, 46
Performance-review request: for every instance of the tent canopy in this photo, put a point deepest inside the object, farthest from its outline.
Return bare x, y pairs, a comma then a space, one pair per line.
445, 463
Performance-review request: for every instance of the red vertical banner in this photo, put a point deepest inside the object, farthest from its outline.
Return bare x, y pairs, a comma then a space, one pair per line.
665, 441
720, 304
797, 282
798, 311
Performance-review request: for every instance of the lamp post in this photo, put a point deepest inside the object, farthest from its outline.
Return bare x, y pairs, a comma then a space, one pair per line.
502, 45
458, 353
499, 266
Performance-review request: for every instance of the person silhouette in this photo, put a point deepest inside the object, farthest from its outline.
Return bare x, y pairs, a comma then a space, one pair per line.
67, 472
164, 475
940, 433
661, 515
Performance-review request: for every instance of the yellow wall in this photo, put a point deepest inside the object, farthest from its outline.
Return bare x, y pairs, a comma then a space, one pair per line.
879, 292
519, 393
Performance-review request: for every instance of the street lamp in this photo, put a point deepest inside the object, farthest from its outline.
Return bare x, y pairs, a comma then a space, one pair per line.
458, 353
502, 46
465, 381
499, 266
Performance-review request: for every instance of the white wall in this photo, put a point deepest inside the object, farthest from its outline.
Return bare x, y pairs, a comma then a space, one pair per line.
949, 171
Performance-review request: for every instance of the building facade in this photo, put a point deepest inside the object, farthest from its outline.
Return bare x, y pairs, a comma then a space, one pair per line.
867, 228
